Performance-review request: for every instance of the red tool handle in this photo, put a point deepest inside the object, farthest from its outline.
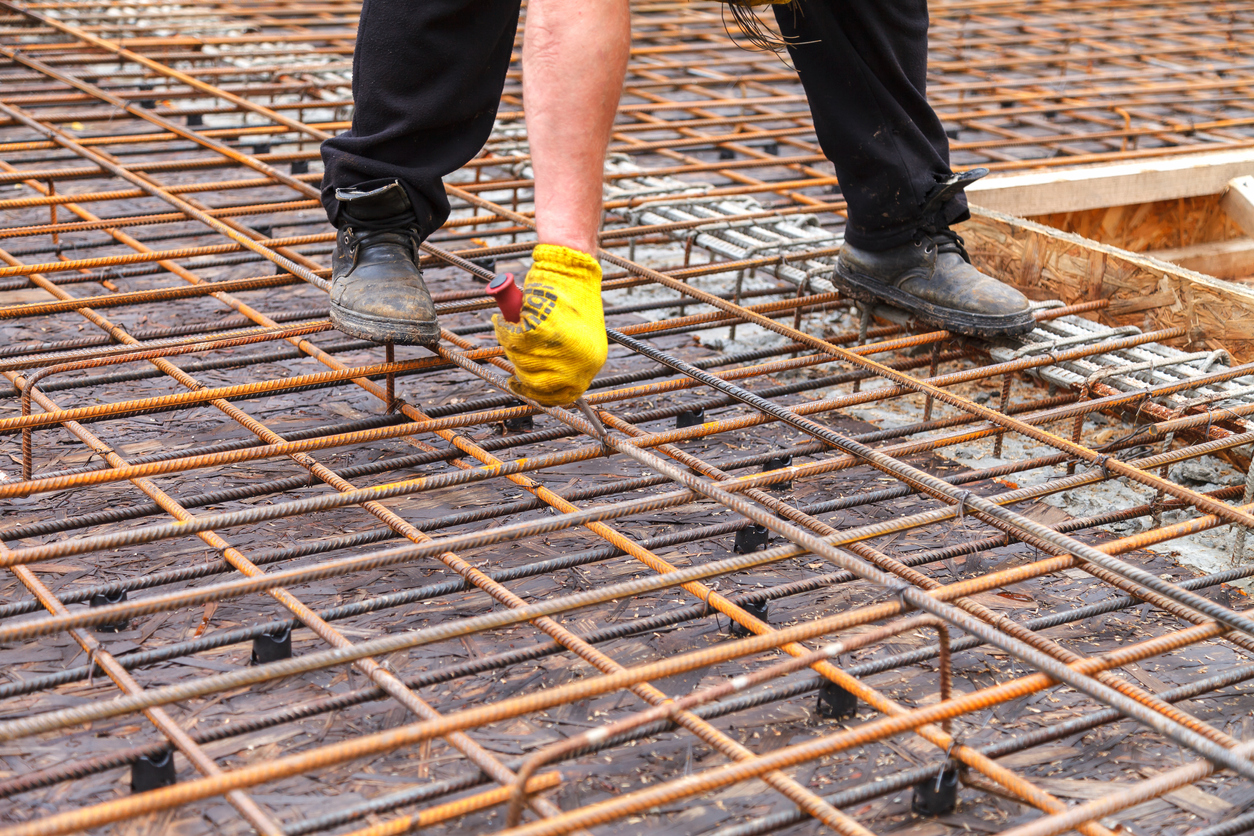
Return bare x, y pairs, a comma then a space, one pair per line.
508, 295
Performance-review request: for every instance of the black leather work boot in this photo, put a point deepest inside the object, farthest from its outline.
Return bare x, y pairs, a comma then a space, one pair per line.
377, 291
932, 278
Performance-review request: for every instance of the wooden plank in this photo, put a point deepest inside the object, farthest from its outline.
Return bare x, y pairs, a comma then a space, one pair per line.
1078, 788
1047, 264
1191, 799
1238, 202
1221, 259
1116, 184
1094, 789
1160, 225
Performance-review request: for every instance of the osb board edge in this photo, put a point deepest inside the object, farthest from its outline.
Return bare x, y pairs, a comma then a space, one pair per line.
1048, 264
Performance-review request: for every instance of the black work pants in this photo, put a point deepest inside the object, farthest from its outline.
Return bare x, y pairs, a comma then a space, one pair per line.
427, 78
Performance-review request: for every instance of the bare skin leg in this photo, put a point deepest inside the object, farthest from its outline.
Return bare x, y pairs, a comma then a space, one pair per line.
574, 61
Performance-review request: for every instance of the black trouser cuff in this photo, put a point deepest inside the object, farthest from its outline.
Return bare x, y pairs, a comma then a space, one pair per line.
876, 240
338, 215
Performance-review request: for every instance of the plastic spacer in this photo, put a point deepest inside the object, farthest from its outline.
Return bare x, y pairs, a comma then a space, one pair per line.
759, 609
835, 702
272, 647
104, 599
751, 538
778, 463
691, 418
152, 773
936, 796
521, 424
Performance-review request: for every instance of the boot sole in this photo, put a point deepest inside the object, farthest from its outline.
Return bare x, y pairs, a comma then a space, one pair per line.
866, 289
381, 330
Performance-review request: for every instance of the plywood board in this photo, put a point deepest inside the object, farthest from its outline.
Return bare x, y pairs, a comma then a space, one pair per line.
1117, 184
1047, 264
1160, 225
1222, 259
1238, 202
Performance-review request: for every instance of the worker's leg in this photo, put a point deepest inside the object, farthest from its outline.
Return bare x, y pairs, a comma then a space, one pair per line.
427, 79
863, 64
574, 58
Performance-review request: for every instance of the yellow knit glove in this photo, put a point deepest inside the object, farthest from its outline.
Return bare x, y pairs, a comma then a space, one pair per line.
560, 344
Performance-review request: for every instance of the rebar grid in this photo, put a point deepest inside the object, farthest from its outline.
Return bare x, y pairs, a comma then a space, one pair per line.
542, 628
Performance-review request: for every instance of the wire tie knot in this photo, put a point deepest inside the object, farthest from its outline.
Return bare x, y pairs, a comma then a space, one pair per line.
940, 773
91, 666
963, 496
708, 593
898, 591
1102, 462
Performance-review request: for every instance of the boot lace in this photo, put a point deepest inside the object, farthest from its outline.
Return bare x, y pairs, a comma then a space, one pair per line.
945, 241
369, 232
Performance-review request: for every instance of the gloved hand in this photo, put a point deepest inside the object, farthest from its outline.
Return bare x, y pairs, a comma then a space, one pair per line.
560, 344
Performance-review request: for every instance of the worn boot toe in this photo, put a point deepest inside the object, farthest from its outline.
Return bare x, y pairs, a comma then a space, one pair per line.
932, 278
377, 290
